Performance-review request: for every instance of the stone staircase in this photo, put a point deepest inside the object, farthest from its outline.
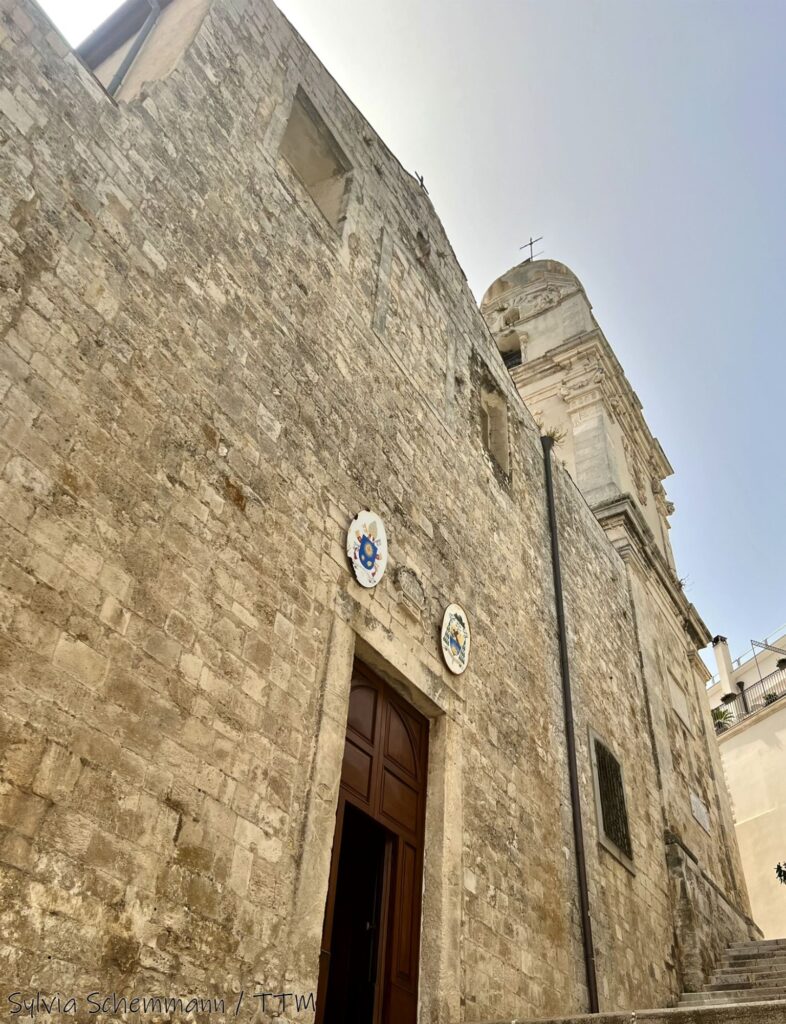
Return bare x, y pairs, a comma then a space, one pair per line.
748, 987
750, 972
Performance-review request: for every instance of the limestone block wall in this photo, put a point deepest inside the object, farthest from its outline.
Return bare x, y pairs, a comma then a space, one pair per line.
687, 750
635, 964
202, 380
709, 893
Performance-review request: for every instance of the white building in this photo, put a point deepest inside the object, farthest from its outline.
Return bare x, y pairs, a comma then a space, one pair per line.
748, 698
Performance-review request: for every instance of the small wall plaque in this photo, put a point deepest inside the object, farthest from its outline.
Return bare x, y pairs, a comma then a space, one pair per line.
700, 812
455, 638
411, 595
367, 547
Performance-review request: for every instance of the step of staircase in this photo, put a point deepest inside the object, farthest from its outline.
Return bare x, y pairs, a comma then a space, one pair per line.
735, 995
753, 970
765, 970
741, 1013
754, 956
736, 978
760, 944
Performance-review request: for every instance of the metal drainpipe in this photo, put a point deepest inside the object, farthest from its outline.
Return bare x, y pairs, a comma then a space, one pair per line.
570, 736
136, 46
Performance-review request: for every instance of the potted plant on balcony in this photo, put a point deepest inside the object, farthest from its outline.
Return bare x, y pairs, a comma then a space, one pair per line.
722, 718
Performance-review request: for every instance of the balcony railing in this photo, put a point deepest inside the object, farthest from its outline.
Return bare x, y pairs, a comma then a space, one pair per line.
750, 701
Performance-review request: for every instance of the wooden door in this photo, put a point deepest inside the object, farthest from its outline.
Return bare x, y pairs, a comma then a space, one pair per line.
383, 775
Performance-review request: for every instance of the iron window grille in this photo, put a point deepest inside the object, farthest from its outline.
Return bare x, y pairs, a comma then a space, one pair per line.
613, 824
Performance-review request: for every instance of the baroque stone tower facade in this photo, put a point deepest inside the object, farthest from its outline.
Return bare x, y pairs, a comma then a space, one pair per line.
566, 371
229, 322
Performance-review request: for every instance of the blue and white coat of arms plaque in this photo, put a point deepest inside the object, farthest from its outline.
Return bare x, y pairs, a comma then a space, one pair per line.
455, 638
367, 547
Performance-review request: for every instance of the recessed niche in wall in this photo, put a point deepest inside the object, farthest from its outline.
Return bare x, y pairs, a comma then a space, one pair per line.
511, 348
312, 152
494, 428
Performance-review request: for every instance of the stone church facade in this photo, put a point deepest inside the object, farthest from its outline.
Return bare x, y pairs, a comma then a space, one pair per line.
230, 321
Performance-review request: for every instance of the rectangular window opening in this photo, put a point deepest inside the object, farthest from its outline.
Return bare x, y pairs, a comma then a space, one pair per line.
512, 359
613, 824
494, 428
312, 152
511, 346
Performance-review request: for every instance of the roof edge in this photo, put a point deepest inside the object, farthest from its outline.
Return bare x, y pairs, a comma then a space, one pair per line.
118, 28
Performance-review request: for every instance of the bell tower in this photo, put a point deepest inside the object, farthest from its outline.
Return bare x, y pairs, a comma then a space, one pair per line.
569, 377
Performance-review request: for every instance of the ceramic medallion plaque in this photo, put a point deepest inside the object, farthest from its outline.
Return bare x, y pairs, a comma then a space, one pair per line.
455, 638
367, 548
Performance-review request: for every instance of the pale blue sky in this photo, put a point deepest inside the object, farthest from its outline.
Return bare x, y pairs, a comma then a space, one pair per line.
646, 140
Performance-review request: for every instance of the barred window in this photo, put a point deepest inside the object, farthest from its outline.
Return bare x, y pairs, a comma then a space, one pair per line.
610, 799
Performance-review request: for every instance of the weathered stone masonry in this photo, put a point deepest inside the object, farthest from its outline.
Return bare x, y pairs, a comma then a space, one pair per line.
202, 380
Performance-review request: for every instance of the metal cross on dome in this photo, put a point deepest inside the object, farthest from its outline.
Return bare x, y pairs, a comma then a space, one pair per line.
531, 246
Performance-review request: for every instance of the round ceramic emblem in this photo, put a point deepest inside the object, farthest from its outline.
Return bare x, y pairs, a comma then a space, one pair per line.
455, 638
367, 548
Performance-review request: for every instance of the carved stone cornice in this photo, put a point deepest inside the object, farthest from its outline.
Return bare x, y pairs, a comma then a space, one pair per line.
628, 532
583, 385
